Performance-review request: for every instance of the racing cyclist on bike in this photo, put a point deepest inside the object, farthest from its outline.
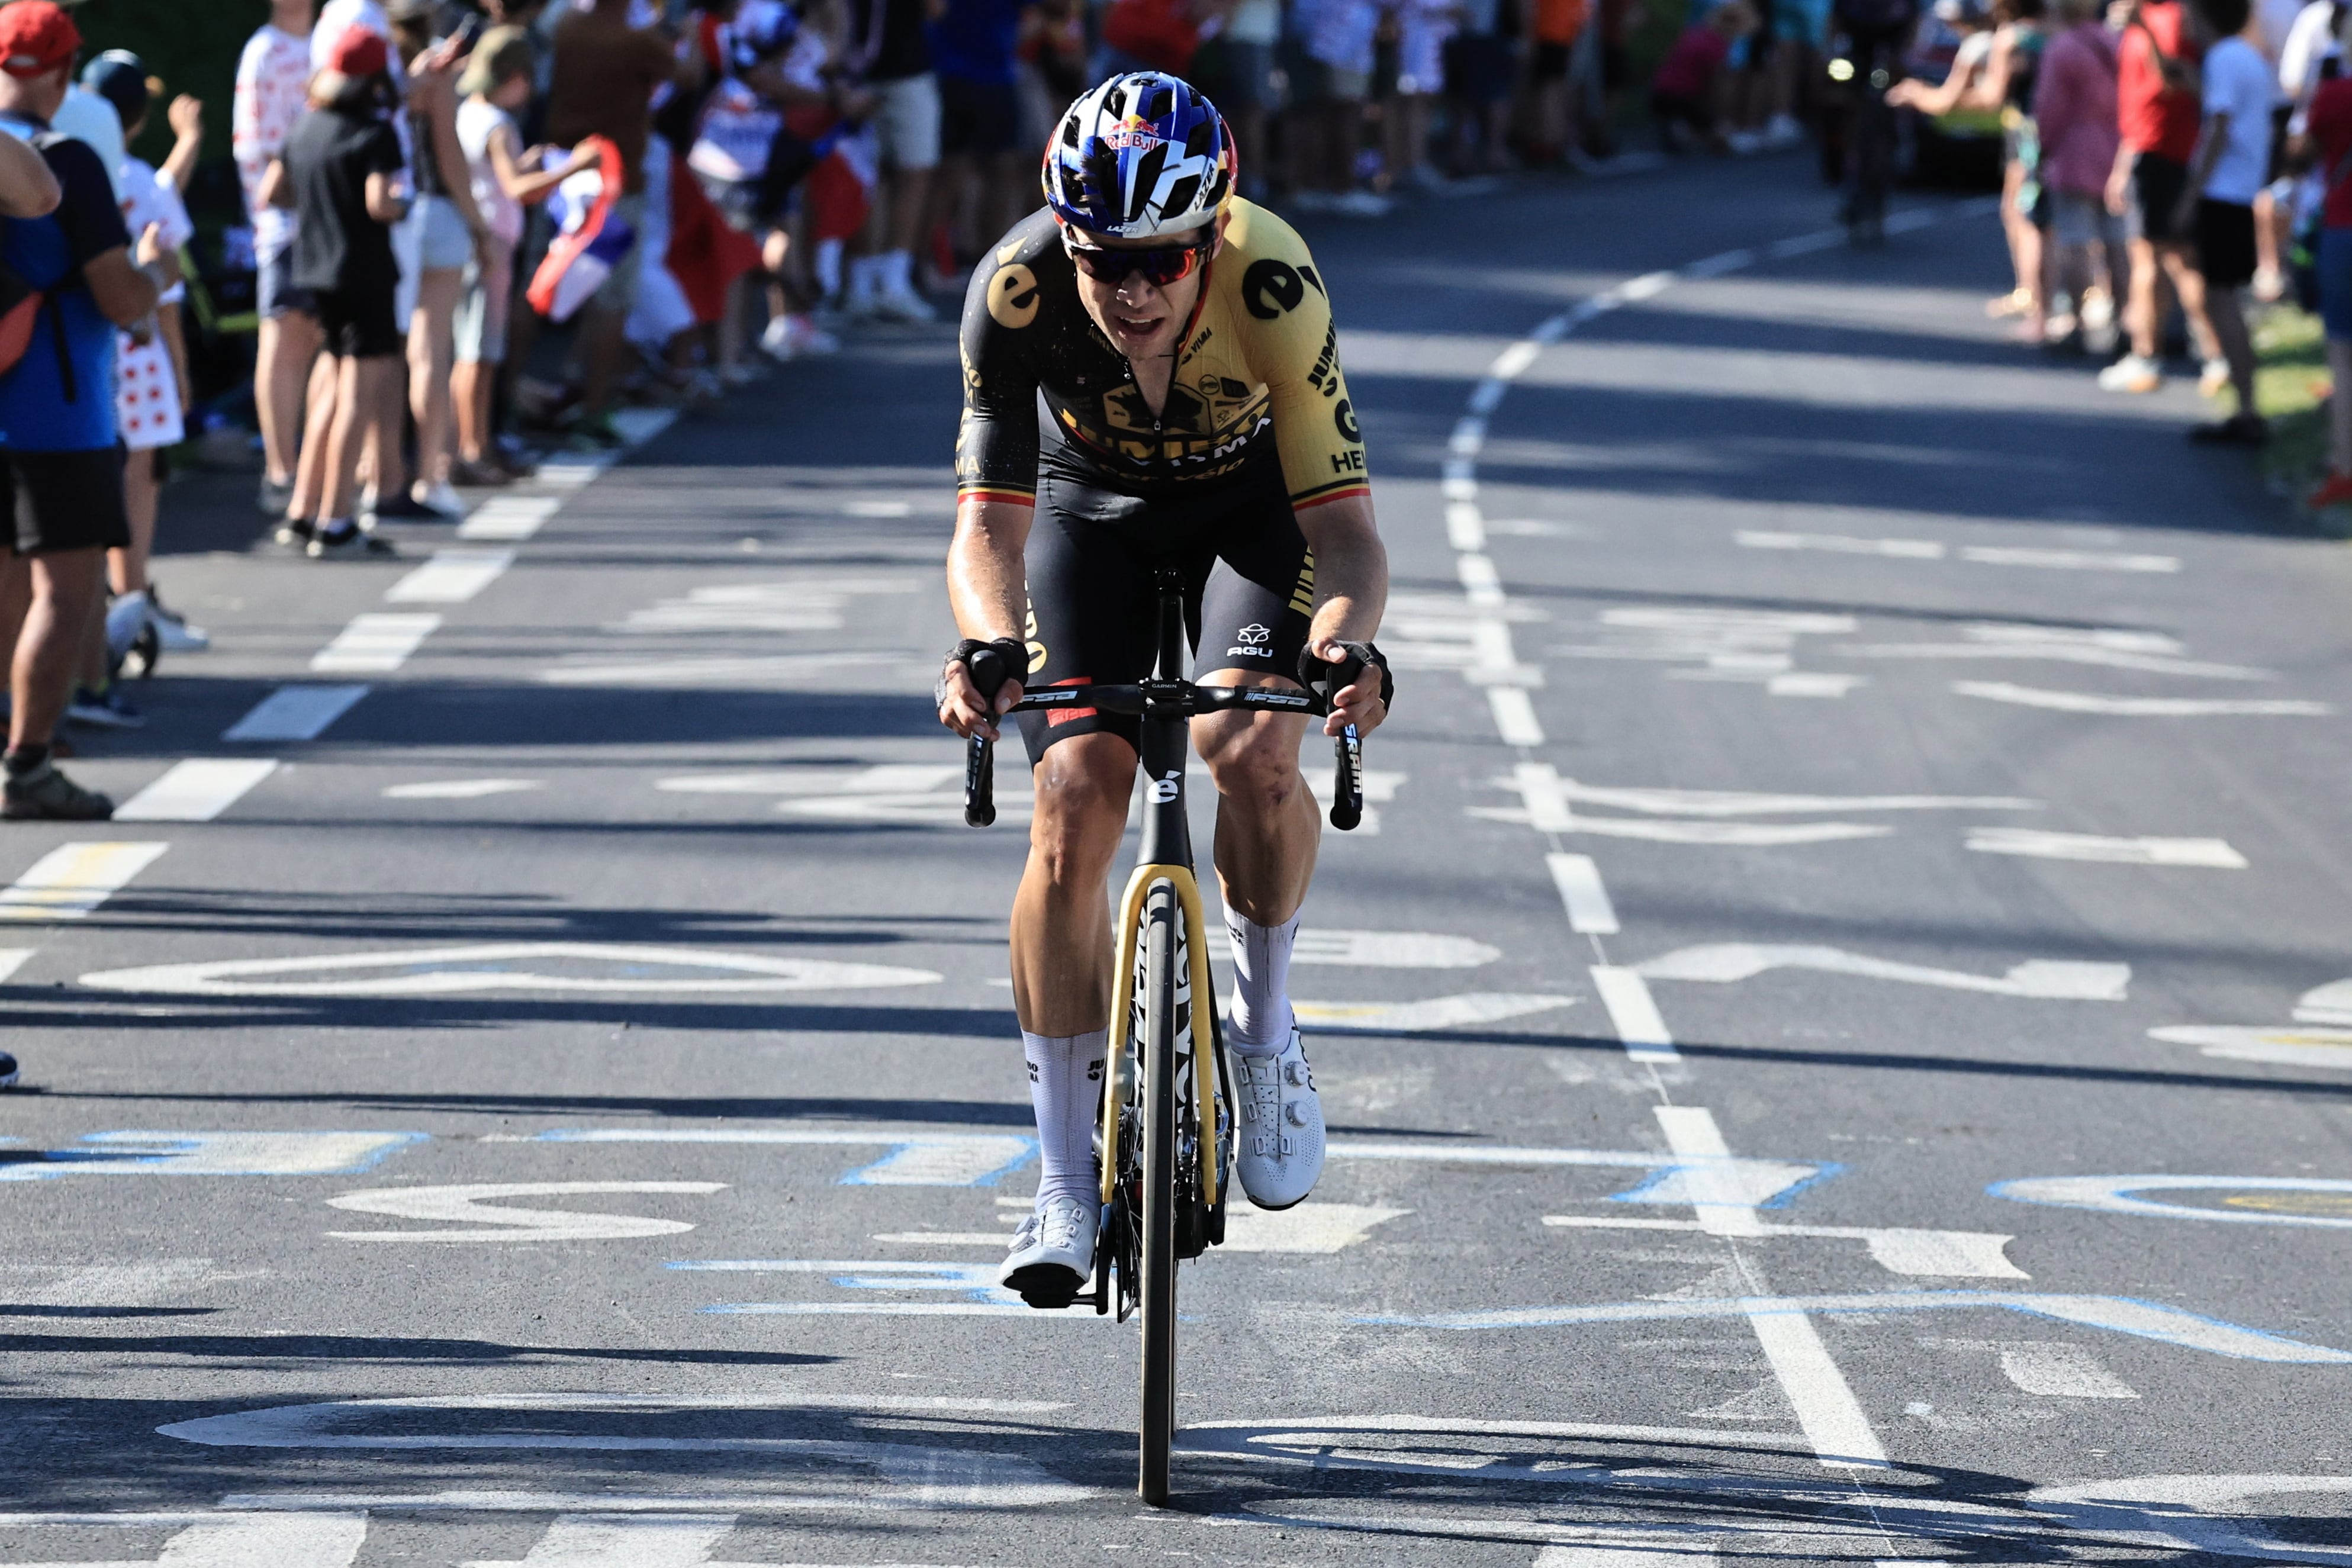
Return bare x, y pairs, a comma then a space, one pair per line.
1195, 415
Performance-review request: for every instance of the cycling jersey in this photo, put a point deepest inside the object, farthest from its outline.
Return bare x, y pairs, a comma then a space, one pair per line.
1258, 379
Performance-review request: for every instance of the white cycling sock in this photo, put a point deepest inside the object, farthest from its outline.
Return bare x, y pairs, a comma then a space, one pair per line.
1261, 1008
1065, 1075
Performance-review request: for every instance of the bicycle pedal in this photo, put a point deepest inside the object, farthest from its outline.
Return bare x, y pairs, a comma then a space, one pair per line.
1054, 1301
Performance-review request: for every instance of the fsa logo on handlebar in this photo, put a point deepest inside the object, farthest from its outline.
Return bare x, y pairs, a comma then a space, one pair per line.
1164, 791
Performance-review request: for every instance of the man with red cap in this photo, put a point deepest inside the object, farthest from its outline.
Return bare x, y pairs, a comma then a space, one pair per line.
61, 460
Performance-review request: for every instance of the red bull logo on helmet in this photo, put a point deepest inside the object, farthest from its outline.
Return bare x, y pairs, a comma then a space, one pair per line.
1132, 133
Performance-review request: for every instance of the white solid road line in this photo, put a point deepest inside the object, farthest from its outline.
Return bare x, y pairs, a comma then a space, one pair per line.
197, 791
450, 576
72, 880
1826, 1408
11, 960
1514, 715
2211, 853
1583, 894
1634, 1014
295, 712
375, 644
512, 517
2135, 708
458, 789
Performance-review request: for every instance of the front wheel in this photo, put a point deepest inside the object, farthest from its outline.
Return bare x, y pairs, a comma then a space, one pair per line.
1162, 918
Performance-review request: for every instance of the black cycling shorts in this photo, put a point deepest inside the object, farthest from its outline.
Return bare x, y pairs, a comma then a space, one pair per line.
1093, 606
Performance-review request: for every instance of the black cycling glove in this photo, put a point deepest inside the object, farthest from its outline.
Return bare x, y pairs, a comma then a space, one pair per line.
1325, 679
990, 665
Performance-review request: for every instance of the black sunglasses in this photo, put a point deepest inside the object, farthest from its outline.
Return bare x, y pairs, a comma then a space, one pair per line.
1161, 265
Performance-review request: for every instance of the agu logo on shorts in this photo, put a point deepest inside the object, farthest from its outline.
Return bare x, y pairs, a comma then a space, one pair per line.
1253, 640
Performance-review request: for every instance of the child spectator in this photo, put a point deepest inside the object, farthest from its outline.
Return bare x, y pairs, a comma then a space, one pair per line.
1688, 82
343, 173
2233, 155
505, 178
151, 381
2075, 114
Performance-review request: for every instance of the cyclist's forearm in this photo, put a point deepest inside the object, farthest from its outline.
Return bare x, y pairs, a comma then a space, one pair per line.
986, 582
1352, 570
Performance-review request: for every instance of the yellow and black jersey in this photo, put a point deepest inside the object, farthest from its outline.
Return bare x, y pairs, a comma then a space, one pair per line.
1257, 378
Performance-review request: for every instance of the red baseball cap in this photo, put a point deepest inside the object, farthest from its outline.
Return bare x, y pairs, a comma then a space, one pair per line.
357, 53
35, 39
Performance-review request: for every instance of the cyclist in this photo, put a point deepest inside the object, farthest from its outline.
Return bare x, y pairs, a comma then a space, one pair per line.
1181, 340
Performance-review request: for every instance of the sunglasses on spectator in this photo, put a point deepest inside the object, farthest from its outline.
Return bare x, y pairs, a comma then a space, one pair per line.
1161, 265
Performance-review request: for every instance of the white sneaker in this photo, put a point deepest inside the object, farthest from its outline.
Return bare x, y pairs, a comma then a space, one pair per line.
904, 305
2132, 374
1782, 130
1053, 1253
2213, 378
442, 499
1364, 205
1278, 1145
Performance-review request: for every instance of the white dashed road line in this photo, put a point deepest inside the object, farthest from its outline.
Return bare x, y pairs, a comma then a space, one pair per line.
451, 577
197, 791
375, 644
295, 712
73, 880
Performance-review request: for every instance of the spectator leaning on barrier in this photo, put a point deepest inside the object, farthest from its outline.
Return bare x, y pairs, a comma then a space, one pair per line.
343, 173
60, 460
273, 74
2075, 113
2233, 158
2156, 116
606, 74
2328, 132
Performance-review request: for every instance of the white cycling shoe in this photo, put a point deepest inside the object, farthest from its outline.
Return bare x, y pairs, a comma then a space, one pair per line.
1278, 1145
1053, 1253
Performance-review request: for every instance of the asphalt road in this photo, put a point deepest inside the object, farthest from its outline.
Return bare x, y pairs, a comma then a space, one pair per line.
1829, 1046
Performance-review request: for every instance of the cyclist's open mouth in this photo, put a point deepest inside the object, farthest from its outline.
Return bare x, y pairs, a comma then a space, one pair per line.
1136, 330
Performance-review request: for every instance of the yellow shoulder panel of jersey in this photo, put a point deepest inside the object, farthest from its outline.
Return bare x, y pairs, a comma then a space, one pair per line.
1273, 304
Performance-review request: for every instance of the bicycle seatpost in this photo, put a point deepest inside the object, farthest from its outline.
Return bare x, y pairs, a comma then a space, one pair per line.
989, 675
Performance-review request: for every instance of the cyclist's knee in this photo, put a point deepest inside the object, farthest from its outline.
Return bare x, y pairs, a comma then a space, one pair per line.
1082, 788
1259, 767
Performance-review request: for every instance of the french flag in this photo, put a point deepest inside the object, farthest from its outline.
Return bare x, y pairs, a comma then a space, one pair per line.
591, 241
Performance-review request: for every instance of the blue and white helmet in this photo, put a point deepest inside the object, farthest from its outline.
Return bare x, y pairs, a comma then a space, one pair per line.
1143, 154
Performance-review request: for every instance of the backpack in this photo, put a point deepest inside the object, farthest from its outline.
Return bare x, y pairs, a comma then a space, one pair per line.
20, 310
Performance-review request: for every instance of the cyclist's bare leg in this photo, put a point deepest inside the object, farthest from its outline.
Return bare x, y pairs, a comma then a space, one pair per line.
1268, 828
1061, 920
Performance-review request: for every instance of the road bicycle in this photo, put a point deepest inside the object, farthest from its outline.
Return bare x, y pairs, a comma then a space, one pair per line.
1166, 1133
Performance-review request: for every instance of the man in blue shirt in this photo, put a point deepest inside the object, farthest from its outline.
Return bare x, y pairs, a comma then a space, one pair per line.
60, 459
